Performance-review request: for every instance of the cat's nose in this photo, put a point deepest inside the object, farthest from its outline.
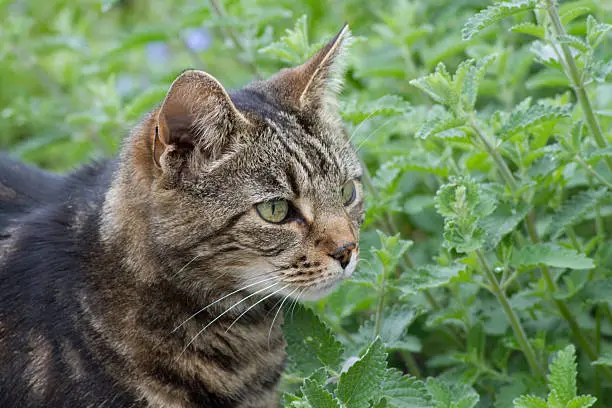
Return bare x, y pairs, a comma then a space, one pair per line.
342, 253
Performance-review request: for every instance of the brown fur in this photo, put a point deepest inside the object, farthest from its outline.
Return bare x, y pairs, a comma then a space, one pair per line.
159, 279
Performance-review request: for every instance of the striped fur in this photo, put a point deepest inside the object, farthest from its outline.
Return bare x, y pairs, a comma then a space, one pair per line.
150, 279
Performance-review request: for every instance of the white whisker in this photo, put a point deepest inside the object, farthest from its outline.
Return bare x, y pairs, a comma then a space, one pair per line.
220, 299
227, 310
296, 302
252, 306
277, 312
385, 123
187, 264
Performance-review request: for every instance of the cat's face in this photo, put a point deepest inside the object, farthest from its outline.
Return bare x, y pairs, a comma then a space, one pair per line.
260, 189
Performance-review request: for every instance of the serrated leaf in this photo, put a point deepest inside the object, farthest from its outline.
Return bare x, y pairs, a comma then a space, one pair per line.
545, 53
310, 344
294, 46
471, 82
463, 197
502, 221
438, 86
493, 14
596, 31
447, 395
551, 255
521, 119
597, 154
403, 391
582, 401
530, 29
575, 209
573, 13
443, 127
562, 377
362, 382
428, 277
529, 401
317, 396
574, 42
392, 249
389, 105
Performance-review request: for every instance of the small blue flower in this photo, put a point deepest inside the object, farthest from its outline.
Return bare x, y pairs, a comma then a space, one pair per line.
197, 39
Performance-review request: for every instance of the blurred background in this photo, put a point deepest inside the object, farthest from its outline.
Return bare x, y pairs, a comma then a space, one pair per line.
76, 75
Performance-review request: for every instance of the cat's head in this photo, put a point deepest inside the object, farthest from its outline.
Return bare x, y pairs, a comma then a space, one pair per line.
259, 187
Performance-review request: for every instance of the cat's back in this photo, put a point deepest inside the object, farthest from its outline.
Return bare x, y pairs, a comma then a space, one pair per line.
47, 231
23, 188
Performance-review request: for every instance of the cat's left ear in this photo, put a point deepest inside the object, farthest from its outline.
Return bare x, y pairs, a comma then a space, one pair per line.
316, 83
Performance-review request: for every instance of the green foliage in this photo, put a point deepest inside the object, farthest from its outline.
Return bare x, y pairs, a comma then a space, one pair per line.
488, 172
551, 255
494, 14
562, 386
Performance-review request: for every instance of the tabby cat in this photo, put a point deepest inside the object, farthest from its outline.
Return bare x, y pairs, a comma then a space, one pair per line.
154, 279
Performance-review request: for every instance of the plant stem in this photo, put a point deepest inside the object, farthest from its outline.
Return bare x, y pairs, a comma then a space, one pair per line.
592, 171
546, 274
519, 333
501, 164
577, 82
390, 228
551, 285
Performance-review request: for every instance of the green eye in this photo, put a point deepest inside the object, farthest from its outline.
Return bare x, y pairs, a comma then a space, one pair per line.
348, 192
273, 211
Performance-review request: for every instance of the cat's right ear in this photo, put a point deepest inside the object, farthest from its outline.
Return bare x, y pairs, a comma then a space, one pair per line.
197, 117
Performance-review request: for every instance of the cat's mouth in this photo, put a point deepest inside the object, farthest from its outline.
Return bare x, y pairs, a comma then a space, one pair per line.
318, 289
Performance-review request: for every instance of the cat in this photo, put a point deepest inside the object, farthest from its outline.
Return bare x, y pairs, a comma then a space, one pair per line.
154, 279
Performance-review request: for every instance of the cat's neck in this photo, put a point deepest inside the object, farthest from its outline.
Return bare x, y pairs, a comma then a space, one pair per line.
125, 218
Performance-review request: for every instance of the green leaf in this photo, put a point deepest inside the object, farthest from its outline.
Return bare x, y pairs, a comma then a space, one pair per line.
502, 221
402, 391
596, 31
605, 358
551, 255
362, 382
310, 344
471, 82
447, 395
529, 401
445, 127
294, 47
598, 291
392, 249
428, 277
529, 28
562, 377
495, 13
573, 13
438, 86
582, 401
357, 111
574, 42
522, 119
317, 396
575, 210
463, 197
